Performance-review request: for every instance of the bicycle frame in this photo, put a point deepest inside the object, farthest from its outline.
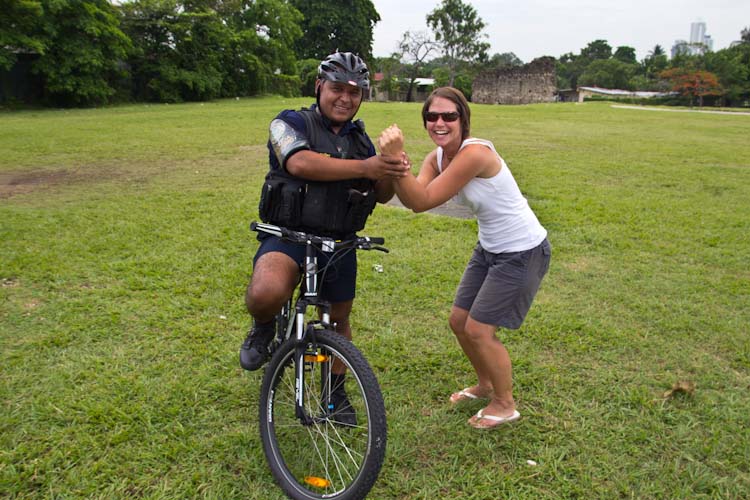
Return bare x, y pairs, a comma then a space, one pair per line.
308, 296
322, 438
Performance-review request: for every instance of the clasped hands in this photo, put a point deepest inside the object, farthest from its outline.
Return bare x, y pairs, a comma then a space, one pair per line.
391, 143
391, 162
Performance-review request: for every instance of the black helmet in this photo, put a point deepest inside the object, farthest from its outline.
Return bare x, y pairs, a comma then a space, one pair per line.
345, 67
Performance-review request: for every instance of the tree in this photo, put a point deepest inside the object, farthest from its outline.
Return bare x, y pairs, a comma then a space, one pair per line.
200, 36
625, 54
732, 67
330, 25
458, 28
84, 51
416, 47
262, 49
504, 60
569, 69
308, 74
191, 51
462, 82
154, 65
658, 50
655, 62
390, 67
19, 22
693, 83
598, 49
179, 49
608, 73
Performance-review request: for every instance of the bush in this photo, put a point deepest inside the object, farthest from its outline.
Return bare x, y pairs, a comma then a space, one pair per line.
286, 85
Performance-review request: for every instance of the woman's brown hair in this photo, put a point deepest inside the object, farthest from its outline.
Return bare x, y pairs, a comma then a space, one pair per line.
462, 106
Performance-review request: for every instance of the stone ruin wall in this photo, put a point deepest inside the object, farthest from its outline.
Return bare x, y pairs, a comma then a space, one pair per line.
531, 83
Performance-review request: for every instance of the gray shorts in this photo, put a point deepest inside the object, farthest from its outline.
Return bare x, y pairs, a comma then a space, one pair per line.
498, 288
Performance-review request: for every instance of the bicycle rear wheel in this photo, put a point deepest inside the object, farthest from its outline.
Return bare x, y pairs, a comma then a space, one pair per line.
326, 458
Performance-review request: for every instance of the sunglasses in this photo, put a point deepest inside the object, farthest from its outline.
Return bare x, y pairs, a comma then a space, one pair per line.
451, 116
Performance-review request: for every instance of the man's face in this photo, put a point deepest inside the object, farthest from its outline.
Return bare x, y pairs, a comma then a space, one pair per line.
339, 102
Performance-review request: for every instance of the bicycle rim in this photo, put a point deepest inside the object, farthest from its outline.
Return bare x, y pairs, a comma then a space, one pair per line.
328, 458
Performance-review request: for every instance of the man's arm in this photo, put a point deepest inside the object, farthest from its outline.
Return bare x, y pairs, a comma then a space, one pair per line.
314, 166
384, 190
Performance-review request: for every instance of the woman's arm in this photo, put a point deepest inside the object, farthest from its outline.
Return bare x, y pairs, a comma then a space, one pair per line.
431, 189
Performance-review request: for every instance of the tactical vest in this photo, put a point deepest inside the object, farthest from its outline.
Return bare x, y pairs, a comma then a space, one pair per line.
326, 208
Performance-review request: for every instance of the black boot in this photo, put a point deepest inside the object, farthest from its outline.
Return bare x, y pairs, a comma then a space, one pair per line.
254, 351
340, 409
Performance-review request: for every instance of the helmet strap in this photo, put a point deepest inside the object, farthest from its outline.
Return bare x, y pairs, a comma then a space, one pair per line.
318, 84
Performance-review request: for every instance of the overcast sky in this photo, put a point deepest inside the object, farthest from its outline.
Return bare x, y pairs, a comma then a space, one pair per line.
535, 28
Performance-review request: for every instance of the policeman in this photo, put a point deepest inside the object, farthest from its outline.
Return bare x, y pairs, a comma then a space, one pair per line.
324, 150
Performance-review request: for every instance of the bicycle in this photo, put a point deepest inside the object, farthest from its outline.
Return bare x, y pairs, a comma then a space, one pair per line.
315, 449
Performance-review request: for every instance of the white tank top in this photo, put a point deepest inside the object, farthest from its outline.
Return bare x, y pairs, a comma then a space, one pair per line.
506, 221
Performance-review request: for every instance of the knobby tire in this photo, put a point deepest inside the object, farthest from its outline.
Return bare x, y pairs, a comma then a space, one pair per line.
326, 459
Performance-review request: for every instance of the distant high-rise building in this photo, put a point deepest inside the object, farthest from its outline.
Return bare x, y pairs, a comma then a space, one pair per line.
708, 42
699, 41
697, 32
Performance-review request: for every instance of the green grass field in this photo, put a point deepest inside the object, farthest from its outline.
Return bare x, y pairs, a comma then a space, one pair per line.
125, 250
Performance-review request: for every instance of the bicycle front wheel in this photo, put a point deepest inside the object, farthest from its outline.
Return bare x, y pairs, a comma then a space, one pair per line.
332, 455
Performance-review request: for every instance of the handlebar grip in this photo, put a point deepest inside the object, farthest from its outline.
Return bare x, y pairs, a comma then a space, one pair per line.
377, 241
268, 228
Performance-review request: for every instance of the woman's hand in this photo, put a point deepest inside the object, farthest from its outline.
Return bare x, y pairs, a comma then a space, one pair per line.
391, 141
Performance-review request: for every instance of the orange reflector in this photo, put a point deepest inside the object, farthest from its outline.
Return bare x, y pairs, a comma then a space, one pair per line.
315, 358
318, 482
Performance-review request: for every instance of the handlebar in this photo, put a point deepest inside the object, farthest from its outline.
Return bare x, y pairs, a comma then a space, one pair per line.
327, 244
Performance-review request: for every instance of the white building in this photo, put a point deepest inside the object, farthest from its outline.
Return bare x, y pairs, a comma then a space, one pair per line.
700, 42
697, 32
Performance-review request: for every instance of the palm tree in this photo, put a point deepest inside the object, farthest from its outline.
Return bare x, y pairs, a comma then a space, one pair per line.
656, 51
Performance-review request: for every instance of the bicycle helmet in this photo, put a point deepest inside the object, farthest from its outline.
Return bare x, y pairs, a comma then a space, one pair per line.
345, 67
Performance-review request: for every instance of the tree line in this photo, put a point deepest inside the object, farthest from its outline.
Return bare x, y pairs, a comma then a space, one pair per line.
719, 78
722, 76
93, 52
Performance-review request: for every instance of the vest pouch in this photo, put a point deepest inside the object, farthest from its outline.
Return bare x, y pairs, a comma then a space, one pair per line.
360, 206
281, 201
266, 204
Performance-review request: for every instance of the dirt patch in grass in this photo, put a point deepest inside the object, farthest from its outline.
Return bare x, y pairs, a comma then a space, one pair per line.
18, 183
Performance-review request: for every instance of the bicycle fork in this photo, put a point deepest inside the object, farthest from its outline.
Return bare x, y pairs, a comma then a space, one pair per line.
303, 335
299, 367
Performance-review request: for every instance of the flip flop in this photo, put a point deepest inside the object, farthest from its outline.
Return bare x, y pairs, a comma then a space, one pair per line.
464, 395
496, 421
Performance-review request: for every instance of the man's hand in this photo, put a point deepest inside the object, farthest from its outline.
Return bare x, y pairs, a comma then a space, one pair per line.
382, 167
391, 141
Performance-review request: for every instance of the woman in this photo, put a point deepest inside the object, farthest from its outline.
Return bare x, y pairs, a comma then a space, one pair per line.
508, 263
